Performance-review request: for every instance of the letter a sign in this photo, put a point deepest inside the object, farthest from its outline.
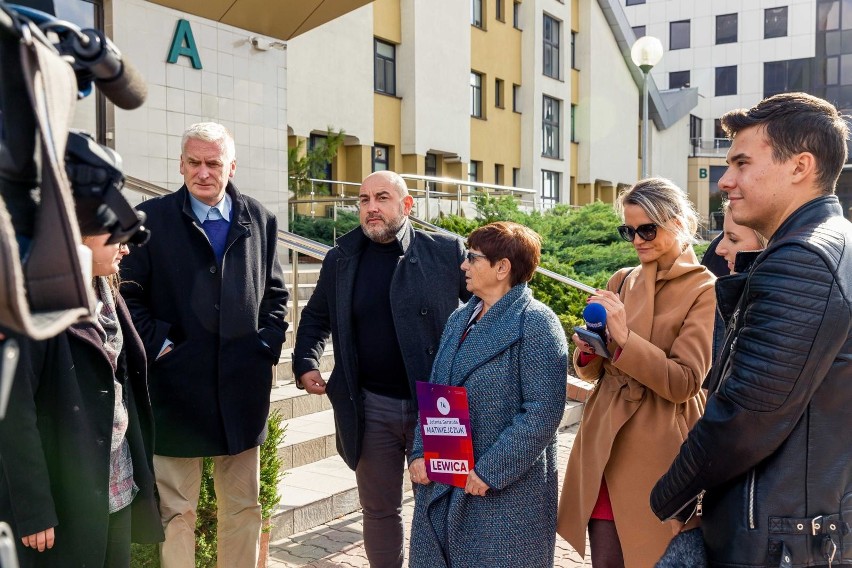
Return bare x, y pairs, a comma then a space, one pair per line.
445, 427
183, 44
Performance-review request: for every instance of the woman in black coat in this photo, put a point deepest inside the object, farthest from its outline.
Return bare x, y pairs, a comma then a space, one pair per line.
76, 482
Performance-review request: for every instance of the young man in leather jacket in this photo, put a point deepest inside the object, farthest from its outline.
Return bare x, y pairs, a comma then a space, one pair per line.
769, 466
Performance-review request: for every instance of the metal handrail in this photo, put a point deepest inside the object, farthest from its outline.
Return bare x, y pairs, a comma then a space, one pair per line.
298, 244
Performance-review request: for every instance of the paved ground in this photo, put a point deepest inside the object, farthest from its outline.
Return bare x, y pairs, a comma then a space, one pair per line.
339, 543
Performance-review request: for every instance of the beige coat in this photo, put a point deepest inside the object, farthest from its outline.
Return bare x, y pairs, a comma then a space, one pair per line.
643, 405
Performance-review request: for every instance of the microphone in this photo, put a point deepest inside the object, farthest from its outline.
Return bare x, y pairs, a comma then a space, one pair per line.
595, 317
116, 78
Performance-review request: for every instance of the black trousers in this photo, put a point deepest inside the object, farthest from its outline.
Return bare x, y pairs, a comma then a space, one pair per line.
118, 540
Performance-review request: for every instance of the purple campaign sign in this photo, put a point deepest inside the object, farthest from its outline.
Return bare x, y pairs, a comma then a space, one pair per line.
445, 427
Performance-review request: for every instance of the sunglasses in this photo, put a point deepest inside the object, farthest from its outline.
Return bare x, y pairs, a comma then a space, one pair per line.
472, 256
648, 232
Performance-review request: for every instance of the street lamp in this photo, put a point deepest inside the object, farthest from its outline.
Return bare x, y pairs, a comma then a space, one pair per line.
645, 53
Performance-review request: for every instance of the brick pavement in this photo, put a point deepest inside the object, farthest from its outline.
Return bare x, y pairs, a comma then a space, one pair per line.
339, 542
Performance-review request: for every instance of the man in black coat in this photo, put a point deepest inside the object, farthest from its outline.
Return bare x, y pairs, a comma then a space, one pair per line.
384, 294
208, 299
769, 465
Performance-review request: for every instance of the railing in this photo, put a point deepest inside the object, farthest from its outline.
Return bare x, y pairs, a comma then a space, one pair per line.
710, 147
298, 244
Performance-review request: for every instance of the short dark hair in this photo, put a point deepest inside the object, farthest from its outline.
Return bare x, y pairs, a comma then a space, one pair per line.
504, 239
794, 123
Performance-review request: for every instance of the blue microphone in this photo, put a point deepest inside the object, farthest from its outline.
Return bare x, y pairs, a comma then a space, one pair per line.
595, 316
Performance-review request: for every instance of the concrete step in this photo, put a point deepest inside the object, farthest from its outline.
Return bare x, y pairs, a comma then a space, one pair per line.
284, 369
309, 438
315, 492
293, 402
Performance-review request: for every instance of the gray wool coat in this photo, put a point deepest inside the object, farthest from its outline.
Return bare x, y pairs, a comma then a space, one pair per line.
514, 364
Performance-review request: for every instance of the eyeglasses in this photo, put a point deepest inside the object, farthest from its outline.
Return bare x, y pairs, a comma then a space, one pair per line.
648, 232
471, 256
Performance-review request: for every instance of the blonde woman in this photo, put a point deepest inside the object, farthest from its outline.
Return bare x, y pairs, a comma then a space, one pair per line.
648, 396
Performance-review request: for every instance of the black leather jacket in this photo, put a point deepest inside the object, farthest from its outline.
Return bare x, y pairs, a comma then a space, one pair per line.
774, 448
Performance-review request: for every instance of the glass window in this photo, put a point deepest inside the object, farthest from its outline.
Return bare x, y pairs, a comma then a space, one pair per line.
381, 161
679, 34
516, 98
846, 14
573, 50
828, 15
832, 71
678, 79
431, 169
316, 141
635, 2
498, 10
549, 189
473, 168
573, 123
385, 68
720, 139
476, 13
726, 80
498, 93
551, 46
788, 76
476, 94
498, 174
639, 31
775, 22
694, 127
726, 28
550, 128
516, 15
516, 177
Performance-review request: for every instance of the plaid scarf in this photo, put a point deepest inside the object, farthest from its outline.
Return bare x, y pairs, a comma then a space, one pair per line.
121, 486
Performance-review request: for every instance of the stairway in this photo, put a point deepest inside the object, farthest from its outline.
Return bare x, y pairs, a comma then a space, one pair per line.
318, 486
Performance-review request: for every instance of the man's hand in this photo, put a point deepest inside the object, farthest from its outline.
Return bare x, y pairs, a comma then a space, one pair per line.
474, 485
40, 541
313, 383
417, 471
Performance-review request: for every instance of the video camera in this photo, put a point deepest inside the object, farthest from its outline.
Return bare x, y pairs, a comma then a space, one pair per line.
56, 184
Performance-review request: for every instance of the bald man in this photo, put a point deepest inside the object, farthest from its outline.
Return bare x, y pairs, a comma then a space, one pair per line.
384, 294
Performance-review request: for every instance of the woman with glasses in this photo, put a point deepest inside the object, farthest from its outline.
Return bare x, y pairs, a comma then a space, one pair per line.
77, 480
659, 320
509, 351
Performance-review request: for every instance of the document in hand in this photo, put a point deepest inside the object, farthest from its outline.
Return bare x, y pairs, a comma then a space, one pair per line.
445, 427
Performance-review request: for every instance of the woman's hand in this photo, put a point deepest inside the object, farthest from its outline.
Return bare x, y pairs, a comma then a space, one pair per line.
616, 319
40, 541
474, 485
417, 471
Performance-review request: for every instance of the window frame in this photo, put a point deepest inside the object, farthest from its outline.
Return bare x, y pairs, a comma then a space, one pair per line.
551, 66
377, 160
721, 18
673, 84
766, 13
386, 62
499, 93
672, 25
476, 108
719, 71
552, 127
550, 200
476, 15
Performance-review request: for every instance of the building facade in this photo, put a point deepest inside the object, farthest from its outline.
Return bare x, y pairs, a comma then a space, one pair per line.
738, 52
537, 94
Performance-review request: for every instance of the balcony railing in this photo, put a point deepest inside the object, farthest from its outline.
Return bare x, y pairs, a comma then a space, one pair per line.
709, 147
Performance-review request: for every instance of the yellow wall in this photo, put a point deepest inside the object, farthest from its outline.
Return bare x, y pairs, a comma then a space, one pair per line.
386, 20
386, 126
496, 53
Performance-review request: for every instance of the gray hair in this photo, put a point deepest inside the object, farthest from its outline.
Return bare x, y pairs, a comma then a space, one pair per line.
211, 132
662, 201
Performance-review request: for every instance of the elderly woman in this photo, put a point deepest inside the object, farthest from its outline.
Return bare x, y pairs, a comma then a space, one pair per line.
77, 481
648, 396
509, 351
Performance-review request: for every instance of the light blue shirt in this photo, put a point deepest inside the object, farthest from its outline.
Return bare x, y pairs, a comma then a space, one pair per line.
221, 210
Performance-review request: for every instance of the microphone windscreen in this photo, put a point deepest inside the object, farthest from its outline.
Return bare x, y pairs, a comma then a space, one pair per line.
594, 313
128, 90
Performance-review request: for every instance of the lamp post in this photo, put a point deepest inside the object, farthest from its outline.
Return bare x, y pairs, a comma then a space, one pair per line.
645, 53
